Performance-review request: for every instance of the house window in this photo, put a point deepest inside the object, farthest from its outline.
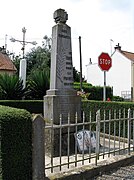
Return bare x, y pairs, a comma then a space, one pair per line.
126, 95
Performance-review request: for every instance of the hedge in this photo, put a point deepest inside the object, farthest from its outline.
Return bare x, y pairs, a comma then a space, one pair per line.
16, 143
36, 106
96, 105
95, 92
33, 106
120, 108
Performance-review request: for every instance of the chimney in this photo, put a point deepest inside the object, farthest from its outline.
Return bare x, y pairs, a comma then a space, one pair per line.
118, 47
90, 61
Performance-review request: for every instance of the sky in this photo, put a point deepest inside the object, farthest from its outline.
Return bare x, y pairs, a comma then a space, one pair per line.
102, 24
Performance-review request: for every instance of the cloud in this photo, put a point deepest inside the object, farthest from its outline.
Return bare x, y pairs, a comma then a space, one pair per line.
75, 1
114, 5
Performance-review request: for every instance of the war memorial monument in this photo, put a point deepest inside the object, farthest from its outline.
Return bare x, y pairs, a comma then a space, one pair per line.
61, 103
61, 98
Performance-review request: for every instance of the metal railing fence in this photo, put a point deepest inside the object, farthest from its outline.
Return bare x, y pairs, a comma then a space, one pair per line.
71, 145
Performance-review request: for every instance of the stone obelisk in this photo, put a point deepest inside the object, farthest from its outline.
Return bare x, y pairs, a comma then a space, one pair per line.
61, 98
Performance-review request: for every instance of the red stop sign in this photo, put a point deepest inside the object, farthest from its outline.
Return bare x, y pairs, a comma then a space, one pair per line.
104, 61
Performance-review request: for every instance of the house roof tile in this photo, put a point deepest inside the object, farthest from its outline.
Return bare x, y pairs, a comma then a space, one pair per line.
128, 55
6, 63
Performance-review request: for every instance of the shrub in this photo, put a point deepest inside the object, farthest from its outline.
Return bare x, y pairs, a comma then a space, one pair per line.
11, 87
38, 84
95, 92
16, 143
117, 98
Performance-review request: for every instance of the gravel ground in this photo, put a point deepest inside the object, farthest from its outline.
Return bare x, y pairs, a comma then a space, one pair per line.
122, 173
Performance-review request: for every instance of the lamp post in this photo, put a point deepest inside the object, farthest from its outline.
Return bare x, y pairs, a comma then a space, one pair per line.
23, 64
80, 63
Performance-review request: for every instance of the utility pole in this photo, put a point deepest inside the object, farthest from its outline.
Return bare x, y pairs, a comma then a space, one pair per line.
80, 63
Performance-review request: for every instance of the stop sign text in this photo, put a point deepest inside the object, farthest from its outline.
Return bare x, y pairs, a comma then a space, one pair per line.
104, 61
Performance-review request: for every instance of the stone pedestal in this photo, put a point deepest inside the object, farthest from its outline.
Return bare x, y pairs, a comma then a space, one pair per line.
57, 105
53, 142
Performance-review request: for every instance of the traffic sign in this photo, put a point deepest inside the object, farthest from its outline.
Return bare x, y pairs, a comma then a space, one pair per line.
104, 61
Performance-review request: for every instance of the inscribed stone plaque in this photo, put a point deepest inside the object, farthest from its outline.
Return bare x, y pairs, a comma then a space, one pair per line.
61, 58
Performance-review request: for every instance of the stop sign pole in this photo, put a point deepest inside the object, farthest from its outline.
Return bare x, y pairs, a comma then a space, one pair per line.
105, 63
104, 88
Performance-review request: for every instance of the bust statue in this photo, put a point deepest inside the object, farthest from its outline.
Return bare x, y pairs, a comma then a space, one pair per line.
60, 16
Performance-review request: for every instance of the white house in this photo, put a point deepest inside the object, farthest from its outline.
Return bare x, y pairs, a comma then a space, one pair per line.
120, 76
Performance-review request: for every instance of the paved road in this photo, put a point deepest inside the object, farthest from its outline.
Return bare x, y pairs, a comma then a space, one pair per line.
123, 173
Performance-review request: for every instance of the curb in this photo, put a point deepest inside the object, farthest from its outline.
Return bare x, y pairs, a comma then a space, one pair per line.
89, 171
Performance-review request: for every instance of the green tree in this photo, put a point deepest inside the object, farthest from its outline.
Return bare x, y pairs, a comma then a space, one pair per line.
76, 75
38, 58
16, 61
11, 87
46, 42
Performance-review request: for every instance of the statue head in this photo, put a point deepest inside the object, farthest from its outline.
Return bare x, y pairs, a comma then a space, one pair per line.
60, 16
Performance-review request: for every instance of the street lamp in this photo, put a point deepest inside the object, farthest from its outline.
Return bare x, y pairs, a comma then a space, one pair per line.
23, 64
